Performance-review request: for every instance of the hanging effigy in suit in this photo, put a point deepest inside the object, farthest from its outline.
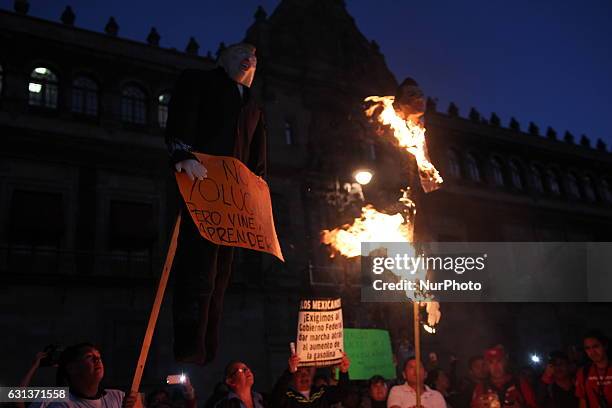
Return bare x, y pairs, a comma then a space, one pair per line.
210, 112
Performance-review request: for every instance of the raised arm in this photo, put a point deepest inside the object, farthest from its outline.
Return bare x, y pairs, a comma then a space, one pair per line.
336, 393
278, 399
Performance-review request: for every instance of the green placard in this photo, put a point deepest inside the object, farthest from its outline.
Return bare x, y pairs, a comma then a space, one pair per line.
370, 353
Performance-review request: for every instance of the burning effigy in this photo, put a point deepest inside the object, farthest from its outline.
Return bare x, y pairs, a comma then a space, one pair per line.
401, 116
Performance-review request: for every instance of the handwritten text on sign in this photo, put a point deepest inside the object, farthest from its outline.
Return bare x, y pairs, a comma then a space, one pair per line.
370, 351
231, 206
319, 337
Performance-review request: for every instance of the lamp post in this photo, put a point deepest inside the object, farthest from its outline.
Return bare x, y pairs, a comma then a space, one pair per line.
363, 176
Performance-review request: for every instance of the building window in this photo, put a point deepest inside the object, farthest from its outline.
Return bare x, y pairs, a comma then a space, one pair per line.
372, 151
497, 172
572, 185
537, 179
553, 182
454, 167
25, 229
133, 105
606, 193
589, 190
43, 88
289, 140
162, 109
471, 165
515, 175
85, 96
132, 226
282, 216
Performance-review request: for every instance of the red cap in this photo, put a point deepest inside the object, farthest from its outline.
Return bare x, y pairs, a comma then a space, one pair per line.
495, 353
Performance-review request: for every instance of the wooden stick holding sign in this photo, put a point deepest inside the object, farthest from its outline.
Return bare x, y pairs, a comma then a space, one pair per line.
159, 297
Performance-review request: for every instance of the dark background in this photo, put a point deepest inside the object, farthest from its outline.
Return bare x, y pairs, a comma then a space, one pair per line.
547, 61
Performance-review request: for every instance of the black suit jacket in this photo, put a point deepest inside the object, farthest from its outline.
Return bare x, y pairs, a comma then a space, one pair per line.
207, 115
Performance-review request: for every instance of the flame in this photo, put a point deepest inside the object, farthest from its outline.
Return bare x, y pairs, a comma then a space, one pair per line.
433, 312
375, 226
371, 226
410, 135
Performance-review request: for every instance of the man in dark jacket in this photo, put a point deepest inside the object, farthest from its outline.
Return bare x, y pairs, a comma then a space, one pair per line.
210, 112
294, 389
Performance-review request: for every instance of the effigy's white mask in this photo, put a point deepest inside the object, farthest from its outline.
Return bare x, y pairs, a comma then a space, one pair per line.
240, 64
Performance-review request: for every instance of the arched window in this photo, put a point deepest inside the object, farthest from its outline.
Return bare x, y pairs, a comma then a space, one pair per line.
515, 175
289, 137
572, 186
471, 165
162, 109
553, 182
454, 166
372, 150
85, 96
537, 179
606, 193
43, 88
589, 189
133, 105
497, 172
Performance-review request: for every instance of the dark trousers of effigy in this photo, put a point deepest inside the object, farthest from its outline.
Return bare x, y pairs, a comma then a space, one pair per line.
202, 271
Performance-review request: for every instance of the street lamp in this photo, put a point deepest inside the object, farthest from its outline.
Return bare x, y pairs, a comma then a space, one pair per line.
363, 176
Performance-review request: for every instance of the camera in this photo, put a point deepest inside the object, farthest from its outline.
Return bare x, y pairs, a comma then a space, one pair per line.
53, 355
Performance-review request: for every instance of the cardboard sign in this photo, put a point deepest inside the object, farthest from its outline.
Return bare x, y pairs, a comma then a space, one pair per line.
319, 335
370, 353
231, 206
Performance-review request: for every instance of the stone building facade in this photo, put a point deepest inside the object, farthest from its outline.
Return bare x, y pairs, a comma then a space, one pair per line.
87, 198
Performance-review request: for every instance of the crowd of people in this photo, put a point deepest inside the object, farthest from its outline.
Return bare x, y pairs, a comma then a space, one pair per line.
491, 383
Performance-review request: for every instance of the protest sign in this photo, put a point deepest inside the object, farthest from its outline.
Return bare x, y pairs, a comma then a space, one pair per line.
319, 335
370, 353
231, 206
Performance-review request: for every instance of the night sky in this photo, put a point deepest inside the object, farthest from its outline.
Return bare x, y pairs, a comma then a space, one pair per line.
546, 61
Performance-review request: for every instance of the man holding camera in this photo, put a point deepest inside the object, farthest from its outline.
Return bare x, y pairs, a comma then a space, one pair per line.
81, 368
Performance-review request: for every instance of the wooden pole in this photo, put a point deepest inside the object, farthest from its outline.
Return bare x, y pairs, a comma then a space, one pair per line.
417, 351
159, 297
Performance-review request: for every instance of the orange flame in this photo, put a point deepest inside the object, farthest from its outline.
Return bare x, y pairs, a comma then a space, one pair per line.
410, 136
372, 226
